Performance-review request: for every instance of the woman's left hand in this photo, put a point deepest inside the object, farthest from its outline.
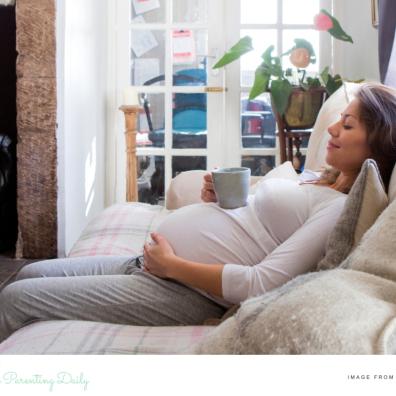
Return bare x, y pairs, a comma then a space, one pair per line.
158, 256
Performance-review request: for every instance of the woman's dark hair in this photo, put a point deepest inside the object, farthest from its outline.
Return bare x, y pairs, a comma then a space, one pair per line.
377, 112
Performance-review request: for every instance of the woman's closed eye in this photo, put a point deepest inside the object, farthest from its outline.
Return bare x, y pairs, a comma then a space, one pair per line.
347, 126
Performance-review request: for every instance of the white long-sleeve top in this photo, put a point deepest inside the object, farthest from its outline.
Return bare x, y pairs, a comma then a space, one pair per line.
280, 234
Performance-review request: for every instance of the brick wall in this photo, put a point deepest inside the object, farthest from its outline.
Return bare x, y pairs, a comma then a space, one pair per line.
36, 123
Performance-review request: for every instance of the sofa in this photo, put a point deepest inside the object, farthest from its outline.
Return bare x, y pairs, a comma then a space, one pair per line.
347, 306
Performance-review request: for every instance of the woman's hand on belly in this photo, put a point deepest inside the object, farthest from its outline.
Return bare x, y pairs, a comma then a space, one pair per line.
160, 260
158, 256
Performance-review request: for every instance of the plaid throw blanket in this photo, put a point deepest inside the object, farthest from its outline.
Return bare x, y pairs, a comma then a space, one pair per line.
63, 337
121, 229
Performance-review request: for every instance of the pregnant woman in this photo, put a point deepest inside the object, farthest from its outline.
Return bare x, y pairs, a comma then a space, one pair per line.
203, 259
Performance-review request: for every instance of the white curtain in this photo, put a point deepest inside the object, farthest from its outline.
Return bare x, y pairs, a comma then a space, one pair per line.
390, 77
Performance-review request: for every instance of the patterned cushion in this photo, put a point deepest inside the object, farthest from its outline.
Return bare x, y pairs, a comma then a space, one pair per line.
79, 337
121, 229
392, 186
365, 202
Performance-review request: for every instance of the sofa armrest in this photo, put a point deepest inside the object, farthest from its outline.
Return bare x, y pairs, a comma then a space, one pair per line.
185, 189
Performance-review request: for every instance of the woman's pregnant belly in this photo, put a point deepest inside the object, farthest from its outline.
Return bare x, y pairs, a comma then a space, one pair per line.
208, 234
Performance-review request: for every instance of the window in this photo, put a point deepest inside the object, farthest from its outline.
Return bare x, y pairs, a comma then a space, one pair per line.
278, 23
196, 117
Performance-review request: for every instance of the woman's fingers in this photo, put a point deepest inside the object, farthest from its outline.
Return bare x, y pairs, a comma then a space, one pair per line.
208, 177
208, 196
207, 192
208, 186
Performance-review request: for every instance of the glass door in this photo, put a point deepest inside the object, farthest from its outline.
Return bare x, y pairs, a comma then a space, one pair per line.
166, 49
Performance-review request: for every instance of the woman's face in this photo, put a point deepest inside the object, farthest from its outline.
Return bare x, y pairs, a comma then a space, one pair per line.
347, 147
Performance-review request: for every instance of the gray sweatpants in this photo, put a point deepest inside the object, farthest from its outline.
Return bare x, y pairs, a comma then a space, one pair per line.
99, 288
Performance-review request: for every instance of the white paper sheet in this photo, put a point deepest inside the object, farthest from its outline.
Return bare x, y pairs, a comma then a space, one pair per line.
183, 47
142, 6
142, 41
144, 69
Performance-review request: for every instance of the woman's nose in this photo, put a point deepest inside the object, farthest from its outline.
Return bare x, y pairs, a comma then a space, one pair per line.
333, 129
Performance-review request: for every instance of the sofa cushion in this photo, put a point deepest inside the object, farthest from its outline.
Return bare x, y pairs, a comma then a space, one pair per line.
392, 186
365, 202
376, 252
60, 337
283, 171
121, 229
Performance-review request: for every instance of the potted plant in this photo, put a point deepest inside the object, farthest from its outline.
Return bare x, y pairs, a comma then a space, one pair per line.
295, 96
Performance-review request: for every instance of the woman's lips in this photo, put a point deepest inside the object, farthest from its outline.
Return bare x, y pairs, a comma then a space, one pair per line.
331, 146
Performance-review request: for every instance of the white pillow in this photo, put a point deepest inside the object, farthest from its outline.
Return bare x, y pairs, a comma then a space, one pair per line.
283, 171
329, 114
185, 189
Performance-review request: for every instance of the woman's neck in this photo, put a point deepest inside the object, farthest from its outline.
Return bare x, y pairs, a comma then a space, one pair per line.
344, 181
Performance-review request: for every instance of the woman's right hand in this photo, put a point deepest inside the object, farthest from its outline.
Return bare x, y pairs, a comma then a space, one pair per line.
207, 192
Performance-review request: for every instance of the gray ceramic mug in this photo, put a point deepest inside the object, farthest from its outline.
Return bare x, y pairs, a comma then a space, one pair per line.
231, 186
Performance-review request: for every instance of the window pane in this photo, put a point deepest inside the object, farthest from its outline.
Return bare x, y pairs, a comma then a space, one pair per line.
151, 179
261, 39
288, 42
300, 11
190, 50
259, 11
259, 165
182, 164
189, 120
148, 12
190, 11
147, 61
257, 122
152, 122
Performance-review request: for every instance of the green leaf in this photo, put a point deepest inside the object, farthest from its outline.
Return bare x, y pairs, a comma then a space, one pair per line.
261, 81
313, 82
272, 63
333, 83
267, 55
325, 75
337, 31
243, 46
276, 67
280, 92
